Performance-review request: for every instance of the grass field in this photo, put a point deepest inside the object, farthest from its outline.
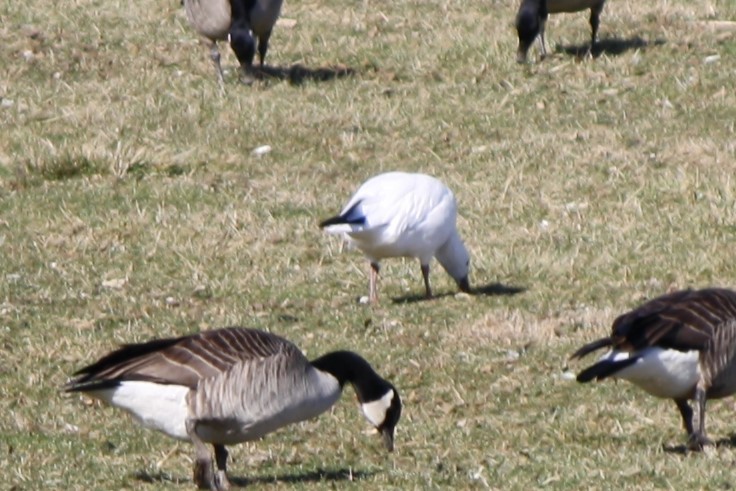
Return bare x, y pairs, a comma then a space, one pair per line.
131, 206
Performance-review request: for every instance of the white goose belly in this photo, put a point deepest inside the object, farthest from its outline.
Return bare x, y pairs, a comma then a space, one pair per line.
155, 406
665, 373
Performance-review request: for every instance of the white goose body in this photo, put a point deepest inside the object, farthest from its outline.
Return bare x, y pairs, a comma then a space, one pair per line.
229, 386
405, 215
399, 214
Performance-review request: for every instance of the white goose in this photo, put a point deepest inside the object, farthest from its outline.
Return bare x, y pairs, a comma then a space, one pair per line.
678, 346
398, 214
232, 385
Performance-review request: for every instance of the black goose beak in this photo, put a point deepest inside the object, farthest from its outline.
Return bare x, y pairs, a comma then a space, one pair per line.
464, 284
388, 438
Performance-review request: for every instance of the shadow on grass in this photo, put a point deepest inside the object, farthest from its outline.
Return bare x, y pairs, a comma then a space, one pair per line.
729, 442
297, 74
318, 475
489, 290
609, 46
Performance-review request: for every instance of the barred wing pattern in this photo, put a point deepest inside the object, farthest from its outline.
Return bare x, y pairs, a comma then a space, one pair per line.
683, 320
184, 360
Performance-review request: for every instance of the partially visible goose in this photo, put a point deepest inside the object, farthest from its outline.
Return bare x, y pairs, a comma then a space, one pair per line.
678, 346
236, 21
229, 386
398, 214
532, 17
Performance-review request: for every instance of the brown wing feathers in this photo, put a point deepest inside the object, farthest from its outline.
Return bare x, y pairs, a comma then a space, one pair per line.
182, 361
683, 320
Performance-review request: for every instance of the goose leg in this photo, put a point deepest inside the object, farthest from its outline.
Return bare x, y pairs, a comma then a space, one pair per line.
221, 481
203, 476
215, 57
372, 286
263, 46
687, 415
425, 275
698, 439
542, 43
595, 21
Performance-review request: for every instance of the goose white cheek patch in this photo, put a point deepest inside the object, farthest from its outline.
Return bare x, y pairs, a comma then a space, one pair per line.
375, 411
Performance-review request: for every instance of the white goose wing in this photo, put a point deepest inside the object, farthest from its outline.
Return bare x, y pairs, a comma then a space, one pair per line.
390, 206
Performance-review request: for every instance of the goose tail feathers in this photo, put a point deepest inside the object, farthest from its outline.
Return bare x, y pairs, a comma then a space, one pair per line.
604, 369
590, 347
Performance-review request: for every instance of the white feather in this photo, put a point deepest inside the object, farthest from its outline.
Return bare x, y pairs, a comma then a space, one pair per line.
155, 406
666, 373
406, 215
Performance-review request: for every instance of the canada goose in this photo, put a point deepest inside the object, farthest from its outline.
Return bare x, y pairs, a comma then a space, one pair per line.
229, 386
400, 214
532, 17
236, 21
679, 346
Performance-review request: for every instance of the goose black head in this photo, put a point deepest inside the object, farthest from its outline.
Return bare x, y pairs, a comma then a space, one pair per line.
529, 20
384, 413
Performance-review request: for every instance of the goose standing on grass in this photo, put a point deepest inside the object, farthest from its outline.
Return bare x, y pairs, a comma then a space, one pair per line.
229, 386
678, 346
532, 17
398, 214
237, 21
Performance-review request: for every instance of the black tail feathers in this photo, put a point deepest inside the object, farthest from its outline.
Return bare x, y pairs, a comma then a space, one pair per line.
604, 369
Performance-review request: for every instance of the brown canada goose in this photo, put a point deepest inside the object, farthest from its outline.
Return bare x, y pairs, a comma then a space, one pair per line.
236, 21
678, 346
229, 386
532, 17
398, 214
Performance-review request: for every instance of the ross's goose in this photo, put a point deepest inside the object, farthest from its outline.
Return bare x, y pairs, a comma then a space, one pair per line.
399, 214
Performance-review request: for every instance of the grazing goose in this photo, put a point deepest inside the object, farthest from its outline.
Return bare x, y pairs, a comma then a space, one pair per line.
398, 214
532, 17
236, 21
678, 346
231, 385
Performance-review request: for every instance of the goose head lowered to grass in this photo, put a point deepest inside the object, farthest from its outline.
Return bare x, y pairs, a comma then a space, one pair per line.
399, 214
229, 386
238, 22
531, 20
679, 346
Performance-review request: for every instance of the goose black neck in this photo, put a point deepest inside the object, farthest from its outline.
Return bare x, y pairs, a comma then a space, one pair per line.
347, 366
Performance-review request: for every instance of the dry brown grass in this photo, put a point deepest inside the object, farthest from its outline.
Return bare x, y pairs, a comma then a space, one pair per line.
131, 206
